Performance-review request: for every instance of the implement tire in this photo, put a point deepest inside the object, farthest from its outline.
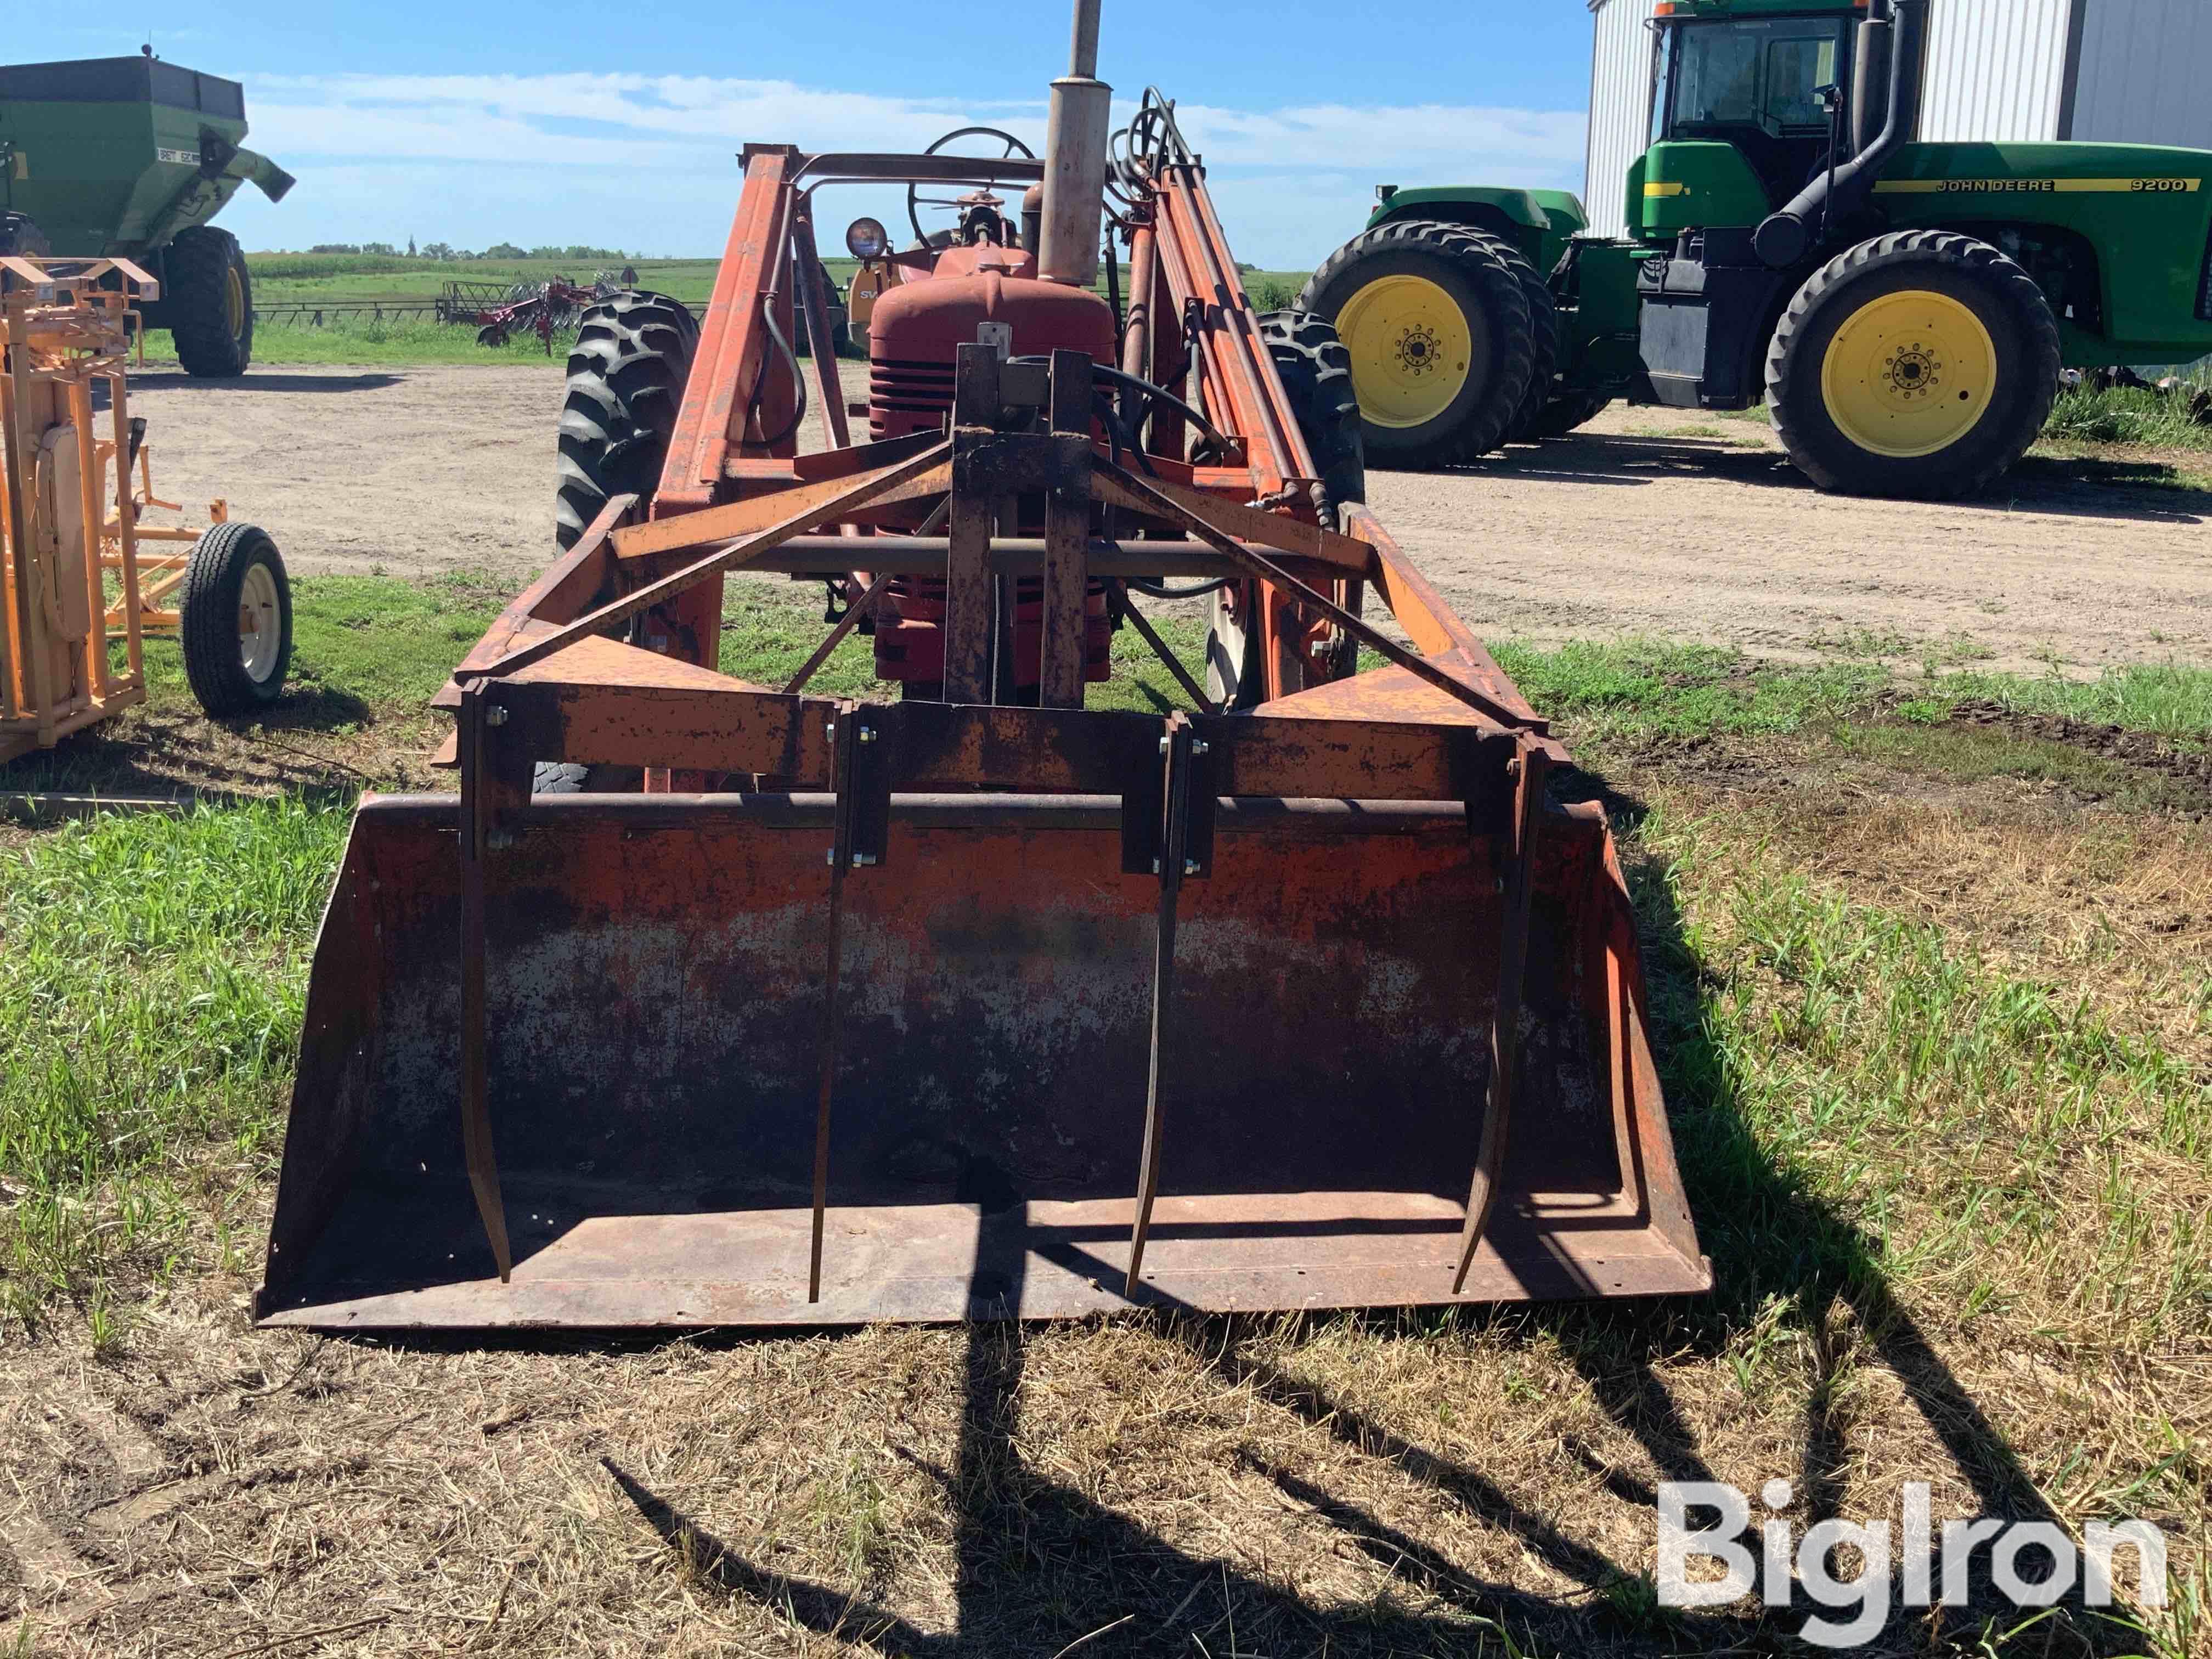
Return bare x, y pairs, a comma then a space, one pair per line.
626, 377
1436, 319
1918, 365
235, 620
207, 302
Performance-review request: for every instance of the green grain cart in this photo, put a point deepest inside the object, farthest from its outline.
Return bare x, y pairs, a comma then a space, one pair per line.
130, 157
1904, 308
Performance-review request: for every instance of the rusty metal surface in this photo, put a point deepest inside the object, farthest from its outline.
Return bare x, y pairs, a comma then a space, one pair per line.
654, 992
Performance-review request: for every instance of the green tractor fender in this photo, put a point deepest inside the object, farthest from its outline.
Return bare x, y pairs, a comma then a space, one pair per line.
1539, 222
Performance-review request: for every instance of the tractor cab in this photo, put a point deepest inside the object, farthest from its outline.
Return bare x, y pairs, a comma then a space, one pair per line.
1770, 88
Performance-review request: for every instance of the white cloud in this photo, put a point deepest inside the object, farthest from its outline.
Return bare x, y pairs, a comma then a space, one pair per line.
648, 162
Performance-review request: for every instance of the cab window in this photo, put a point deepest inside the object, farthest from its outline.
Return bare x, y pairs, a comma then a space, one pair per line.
1763, 73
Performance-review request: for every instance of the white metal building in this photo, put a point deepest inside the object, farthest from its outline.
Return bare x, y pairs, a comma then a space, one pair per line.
2113, 71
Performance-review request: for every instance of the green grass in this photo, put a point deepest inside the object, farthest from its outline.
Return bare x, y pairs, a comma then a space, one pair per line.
2127, 417
1643, 690
151, 994
149, 980
397, 343
291, 278
1639, 691
333, 279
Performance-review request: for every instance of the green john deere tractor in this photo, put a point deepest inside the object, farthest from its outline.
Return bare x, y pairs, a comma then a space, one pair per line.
130, 158
1904, 308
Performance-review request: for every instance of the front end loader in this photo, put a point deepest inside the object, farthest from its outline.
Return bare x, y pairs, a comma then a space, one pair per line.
715, 1003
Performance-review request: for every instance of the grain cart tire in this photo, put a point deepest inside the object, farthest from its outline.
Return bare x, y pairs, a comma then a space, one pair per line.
1920, 364
626, 375
1569, 412
1437, 323
19, 236
1316, 372
236, 621
207, 302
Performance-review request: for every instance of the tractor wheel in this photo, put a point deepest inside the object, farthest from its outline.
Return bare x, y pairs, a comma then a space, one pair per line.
207, 302
626, 375
1568, 412
1920, 364
1316, 372
1543, 345
1436, 322
235, 620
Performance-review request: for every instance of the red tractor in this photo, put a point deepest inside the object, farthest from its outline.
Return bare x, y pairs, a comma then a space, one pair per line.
1302, 993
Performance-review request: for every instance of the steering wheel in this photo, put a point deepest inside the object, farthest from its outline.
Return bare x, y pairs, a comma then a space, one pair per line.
915, 201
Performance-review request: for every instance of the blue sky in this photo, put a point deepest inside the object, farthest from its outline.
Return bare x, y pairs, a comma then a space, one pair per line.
617, 125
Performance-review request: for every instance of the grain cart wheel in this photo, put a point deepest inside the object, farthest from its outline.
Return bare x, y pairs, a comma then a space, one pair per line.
626, 374
1568, 412
236, 620
1922, 363
207, 302
1436, 322
1316, 373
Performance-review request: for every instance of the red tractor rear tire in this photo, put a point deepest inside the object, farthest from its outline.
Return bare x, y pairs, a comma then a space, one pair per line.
626, 377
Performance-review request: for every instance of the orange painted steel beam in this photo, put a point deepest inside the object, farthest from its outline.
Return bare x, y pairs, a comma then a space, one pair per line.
732, 338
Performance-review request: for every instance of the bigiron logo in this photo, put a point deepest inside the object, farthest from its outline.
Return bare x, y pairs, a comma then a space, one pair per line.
2032, 1564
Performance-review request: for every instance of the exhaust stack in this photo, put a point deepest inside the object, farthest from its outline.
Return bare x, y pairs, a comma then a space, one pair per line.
1075, 160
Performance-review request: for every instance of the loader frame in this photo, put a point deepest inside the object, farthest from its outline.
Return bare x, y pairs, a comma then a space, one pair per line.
1430, 769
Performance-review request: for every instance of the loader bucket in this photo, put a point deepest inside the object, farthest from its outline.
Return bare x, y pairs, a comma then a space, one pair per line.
654, 1000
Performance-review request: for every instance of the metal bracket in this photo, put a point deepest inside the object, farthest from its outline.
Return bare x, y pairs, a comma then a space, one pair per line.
1185, 854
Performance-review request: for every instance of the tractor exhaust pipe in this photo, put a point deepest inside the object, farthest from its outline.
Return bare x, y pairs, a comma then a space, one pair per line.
1869, 76
1075, 161
1788, 236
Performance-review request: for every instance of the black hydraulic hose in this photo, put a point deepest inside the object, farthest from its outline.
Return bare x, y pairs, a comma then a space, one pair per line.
1152, 589
798, 379
1158, 393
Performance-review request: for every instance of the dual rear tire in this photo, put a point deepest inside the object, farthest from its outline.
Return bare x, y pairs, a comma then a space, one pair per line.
1451, 334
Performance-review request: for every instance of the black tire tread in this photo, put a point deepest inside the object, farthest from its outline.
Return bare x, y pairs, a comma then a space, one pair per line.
2011, 284
1316, 372
208, 630
1480, 260
626, 375
195, 264
1568, 412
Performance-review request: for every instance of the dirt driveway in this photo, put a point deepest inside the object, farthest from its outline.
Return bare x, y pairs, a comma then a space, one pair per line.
1651, 523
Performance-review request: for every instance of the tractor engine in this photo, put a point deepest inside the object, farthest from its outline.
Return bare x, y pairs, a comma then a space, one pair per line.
914, 337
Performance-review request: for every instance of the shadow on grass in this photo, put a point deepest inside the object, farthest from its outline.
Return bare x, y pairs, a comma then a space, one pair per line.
145, 755
1040, 1565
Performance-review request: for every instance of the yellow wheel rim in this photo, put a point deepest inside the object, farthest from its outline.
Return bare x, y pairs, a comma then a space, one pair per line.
1910, 374
1411, 347
233, 302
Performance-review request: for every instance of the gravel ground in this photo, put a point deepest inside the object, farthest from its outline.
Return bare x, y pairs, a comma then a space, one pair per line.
1650, 522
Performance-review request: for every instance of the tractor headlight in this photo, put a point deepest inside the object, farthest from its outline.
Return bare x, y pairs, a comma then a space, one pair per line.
867, 239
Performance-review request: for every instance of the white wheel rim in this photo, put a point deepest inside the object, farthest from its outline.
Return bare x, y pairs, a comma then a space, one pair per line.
260, 628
